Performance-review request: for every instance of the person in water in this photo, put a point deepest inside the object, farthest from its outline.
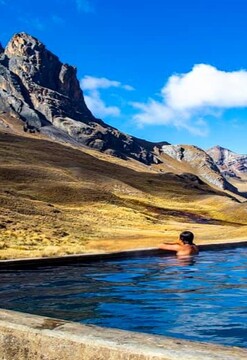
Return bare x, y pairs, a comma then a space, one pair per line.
185, 246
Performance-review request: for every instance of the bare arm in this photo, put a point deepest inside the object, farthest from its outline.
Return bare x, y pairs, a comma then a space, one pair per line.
172, 247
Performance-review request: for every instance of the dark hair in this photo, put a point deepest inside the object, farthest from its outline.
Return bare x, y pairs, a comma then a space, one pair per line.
187, 237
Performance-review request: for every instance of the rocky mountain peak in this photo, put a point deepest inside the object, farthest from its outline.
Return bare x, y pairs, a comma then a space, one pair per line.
218, 148
45, 94
23, 44
201, 162
229, 163
30, 60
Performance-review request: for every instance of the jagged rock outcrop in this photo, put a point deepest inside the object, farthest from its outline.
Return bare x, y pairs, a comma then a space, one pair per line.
47, 86
229, 163
201, 162
44, 93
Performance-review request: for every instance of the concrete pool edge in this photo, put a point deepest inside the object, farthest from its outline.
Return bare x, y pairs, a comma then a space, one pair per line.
77, 258
28, 337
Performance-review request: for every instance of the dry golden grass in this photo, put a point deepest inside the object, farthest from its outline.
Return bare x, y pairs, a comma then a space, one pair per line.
56, 200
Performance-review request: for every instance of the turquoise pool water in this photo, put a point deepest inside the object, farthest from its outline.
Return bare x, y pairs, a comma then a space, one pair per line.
204, 298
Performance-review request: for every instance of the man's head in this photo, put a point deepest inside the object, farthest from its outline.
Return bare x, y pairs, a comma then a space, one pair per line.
187, 237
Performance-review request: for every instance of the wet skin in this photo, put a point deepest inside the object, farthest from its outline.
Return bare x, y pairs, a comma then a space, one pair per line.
181, 248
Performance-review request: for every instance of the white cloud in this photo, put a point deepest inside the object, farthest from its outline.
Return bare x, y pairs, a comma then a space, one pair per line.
98, 107
128, 87
91, 83
92, 86
158, 113
187, 98
206, 86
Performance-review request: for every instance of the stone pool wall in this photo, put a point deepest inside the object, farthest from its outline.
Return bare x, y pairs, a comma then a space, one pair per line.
32, 337
73, 259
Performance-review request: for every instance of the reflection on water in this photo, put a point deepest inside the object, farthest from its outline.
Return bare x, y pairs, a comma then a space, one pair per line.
202, 297
186, 260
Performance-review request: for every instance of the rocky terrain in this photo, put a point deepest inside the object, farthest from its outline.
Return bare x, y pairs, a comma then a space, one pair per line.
43, 93
202, 164
71, 183
229, 163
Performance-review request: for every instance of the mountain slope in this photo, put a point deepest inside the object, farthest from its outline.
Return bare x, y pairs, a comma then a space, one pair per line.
65, 200
43, 93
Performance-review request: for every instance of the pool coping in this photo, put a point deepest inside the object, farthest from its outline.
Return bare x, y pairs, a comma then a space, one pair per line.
88, 257
25, 336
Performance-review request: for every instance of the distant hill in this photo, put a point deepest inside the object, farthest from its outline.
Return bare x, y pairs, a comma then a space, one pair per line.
229, 163
202, 164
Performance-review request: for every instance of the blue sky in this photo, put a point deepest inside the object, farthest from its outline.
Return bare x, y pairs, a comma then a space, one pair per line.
162, 70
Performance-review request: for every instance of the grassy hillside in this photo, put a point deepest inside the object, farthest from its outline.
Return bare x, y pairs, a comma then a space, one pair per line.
55, 199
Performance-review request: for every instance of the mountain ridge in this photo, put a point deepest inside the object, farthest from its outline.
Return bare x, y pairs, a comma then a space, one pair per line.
44, 94
202, 163
56, 199
230, 163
